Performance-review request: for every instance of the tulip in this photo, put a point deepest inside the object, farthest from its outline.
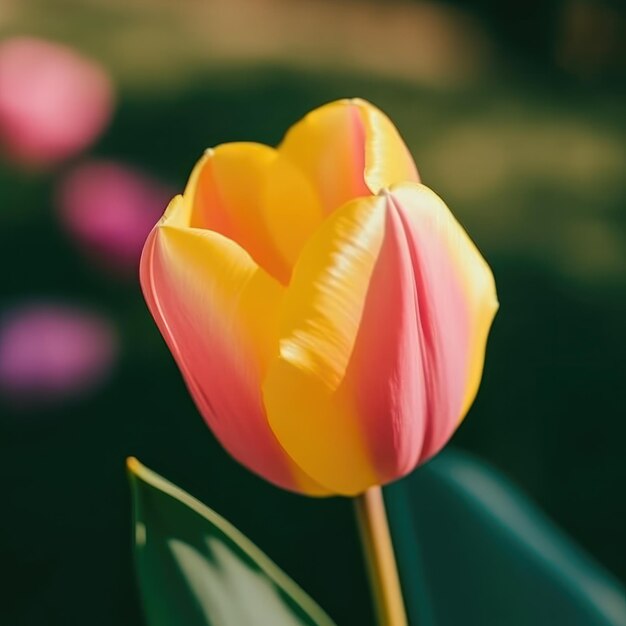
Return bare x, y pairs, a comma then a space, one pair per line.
50, 352
328, 313
109, 208
54, 102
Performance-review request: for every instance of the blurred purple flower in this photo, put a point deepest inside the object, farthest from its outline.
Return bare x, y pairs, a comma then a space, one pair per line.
109, 208
53, 101
49, 352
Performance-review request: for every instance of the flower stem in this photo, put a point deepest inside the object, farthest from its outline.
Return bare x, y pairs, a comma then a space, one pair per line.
381, 561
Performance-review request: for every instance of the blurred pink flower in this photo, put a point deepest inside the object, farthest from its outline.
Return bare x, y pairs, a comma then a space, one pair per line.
110, 208
53, 101
49, 352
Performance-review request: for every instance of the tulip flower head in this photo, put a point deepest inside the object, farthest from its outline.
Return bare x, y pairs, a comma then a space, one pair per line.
51, 352
327, 311
109, 208
54, 102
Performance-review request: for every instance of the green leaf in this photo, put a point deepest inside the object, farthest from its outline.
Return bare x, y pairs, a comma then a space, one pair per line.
473, 551
196, 569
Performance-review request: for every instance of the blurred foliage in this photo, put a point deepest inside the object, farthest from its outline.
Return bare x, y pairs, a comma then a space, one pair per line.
530, 160
472, 550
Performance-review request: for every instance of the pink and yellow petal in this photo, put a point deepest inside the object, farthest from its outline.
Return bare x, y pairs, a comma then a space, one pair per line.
319, 322
381, 332
217, 310
385, 383
408, 371
348, 149
456, 301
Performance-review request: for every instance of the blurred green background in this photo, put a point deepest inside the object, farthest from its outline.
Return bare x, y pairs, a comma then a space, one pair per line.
514, 113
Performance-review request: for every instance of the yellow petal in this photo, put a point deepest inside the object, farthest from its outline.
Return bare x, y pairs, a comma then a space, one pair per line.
387, 159
348, 149
251, 194
319, 322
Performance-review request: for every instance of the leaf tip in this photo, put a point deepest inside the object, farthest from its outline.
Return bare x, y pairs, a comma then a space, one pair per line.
133, 465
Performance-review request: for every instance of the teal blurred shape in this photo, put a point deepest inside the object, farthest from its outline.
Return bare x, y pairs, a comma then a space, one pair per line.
474, 551
195, 569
